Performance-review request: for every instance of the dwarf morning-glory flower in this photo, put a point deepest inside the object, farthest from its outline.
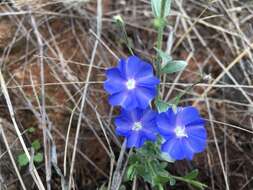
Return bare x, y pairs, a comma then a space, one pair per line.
131, 84
183, 132
137, 126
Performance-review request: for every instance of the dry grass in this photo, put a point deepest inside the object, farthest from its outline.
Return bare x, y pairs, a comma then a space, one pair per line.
53, 58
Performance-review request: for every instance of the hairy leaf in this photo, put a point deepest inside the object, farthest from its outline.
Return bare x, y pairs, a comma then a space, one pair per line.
22, 160
174, 66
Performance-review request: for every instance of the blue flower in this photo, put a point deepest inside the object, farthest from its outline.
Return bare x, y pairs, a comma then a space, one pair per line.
183, 131
137, 126
131, 84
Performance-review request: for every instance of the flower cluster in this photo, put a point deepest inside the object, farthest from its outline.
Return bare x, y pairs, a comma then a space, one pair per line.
132, 85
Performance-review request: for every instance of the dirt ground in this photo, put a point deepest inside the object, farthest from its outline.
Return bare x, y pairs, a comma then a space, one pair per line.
52, 53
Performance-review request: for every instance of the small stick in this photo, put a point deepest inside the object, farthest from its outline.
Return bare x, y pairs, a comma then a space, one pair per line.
11, 156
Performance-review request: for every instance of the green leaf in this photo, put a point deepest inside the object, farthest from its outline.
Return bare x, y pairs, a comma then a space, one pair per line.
119, 19
172, 181
164, 164
161, 179
122, 187
22, 160
38, 157
166, 58
142, 170
174, 107
192, 182
156, 7
151, 150
169, 65
197, 184
166, 157
162, 106
164, 178
158, 22
192, 175
174, 66
131, 172
31, 129
36, 145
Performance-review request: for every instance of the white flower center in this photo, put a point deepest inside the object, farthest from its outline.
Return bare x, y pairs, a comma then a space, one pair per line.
180, 132
137, 126
130, 84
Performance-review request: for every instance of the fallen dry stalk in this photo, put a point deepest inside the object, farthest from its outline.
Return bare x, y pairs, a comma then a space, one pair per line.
34, 172
11, 156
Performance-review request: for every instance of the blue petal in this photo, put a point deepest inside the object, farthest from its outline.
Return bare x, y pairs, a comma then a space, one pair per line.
177, 151
150, 132
188, 115
188, 151
145, 72
131, 116
166, 122
114, 83
118, 98
145, 76
134, 140
114, 73
148, 81
148, 116
130, 102
122, 68
197, 144
112, 87
151, 123
197, 131
148, 121
126, 99
144, 96
130, 67
133, 65
199, 122
124, 126
135, 114
168, 146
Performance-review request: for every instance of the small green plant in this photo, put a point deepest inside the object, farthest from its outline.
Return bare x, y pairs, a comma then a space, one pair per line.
151, 165
38, 157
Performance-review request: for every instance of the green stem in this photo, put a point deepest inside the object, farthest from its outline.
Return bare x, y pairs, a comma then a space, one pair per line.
192, 182
151, 168
160, 31
160, 187
125, 36
153, 173
121, 24
127, 40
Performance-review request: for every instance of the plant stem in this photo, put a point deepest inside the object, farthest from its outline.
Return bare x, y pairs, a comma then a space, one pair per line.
160, 187
125, 36
127, 40
192, 182
160, 31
